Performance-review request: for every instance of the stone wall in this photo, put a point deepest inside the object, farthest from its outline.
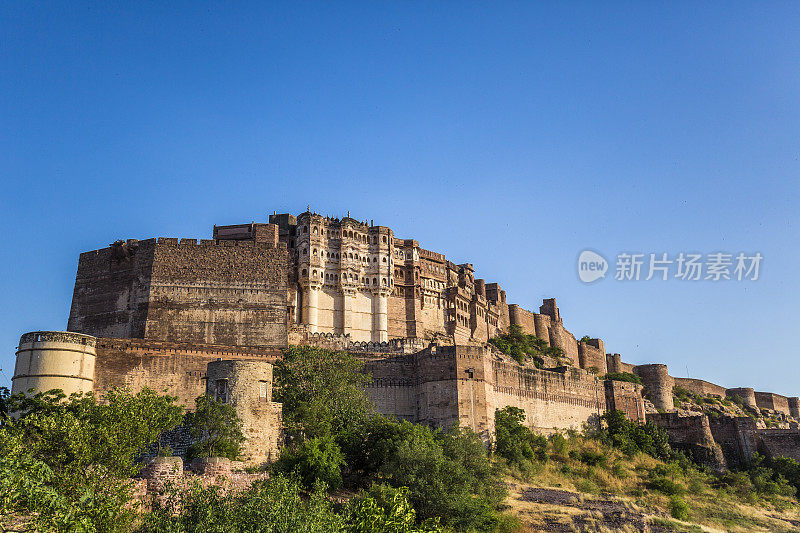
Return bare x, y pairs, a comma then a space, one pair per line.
524, 319
691, 434
773, 402
698, 386
175, 368
247, 386
779, 443
443, 385
736, 436
592, 355
626, 397
658, 385
230, 292
747, 395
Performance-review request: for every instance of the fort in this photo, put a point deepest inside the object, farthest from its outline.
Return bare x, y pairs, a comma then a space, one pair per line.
189, 317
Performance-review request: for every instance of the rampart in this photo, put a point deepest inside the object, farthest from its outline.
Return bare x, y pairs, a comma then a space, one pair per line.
176, 368
227, 292
773, 402
698, 386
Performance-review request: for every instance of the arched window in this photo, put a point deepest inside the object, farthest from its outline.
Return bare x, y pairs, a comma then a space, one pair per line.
384, 259
305, 272
344, 277
315, 230
374, 281
305, 229
384, 239
314, 273
305, 251
375, 259
314, 252
384, 281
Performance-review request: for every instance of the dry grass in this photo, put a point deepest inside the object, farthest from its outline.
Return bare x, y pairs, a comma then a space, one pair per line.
636, 485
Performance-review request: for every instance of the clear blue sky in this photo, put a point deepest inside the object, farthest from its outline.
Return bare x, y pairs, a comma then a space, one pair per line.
508, 134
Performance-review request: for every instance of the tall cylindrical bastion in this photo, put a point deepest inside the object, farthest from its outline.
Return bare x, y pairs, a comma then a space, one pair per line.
49, 360
657, 385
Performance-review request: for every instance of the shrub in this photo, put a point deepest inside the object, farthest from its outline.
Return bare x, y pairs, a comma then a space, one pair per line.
316, 460
678, 508
216, 428
623, 376
515, 442
631, 437
448, 474
665, 486
276, 505
385, 509
520, 346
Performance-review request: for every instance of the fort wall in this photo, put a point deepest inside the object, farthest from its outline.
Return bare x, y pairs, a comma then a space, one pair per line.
698, 386
747, 395
773, 402
229, 292
626, 397
592, 356
691, 434
178, 369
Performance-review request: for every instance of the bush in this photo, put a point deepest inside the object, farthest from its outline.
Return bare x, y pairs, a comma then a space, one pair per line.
216, 428
317, 460
66, 463
448, 474
520, 346
385, 509
678, 508
623, 376
515, 442
276, 505
631, 437
666, 486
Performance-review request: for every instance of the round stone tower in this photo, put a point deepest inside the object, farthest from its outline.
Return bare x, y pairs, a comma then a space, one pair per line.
657, 385
747, 395
247, 386
54, 360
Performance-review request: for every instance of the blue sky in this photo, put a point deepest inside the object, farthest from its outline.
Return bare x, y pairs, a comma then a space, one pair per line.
511, 135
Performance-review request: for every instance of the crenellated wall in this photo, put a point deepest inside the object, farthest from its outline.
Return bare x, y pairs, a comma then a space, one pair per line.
227, 292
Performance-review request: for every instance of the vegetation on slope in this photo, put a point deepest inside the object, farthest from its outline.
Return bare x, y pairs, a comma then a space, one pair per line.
636, 463
623, 376
521, 346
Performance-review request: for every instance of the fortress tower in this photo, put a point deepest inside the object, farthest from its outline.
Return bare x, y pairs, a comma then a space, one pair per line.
54, 360
247, 386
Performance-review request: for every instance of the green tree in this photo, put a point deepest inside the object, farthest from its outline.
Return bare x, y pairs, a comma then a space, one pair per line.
67, 462
316, 460
448, 474
216, 428
322, 392
386, 509
276, 505
514, 441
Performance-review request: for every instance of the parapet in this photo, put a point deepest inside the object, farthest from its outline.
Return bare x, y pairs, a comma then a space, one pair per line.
49, 360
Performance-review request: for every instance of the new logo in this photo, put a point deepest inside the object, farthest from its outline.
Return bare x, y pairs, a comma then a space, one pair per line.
591, 266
